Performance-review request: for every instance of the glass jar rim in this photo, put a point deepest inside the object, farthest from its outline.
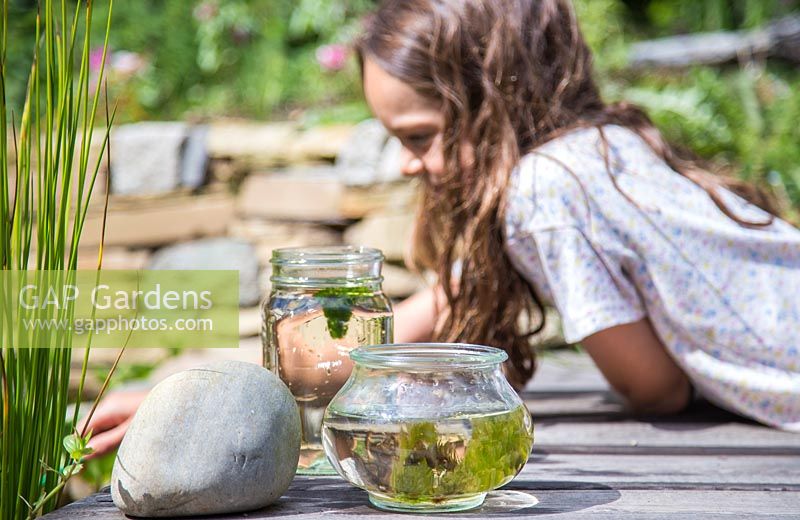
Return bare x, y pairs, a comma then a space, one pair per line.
428, 356
325, 255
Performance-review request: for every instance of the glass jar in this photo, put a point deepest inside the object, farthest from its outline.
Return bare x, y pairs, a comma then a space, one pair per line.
325, 301
427, 427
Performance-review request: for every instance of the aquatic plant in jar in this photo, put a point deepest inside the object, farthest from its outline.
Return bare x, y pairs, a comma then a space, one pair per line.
427, 427
324, 302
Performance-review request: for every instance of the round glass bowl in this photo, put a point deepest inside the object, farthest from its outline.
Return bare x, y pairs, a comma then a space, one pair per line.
427, 427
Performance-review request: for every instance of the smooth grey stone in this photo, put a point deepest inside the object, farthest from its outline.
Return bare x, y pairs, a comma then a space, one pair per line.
220, 438
215, 253
195, 158
146, 157
359, 159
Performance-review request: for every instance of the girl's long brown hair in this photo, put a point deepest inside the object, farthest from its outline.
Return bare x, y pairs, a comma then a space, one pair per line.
509, 76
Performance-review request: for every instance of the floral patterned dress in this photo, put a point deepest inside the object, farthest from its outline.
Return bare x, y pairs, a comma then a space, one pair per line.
610, 243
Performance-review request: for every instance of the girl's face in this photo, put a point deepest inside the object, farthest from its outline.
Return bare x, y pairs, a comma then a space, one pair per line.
414, 119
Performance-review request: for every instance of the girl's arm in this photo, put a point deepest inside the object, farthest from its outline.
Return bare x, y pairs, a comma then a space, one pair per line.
415, 317
638, 366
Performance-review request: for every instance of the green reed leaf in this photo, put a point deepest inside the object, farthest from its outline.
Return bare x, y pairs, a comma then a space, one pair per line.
44, 213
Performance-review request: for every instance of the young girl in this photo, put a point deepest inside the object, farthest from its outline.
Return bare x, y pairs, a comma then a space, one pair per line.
542, 193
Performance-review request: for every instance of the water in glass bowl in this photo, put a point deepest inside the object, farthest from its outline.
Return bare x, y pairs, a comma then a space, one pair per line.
447, 463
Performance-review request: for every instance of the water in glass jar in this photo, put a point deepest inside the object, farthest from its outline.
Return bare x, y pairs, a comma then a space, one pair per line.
423, 461
308, 348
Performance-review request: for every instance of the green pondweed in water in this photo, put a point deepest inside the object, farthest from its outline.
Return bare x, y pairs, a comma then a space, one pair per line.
432, 465
425, 461
337, 306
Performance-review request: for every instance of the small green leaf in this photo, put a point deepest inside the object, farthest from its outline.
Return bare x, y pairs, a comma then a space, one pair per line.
72, 443
76, 446
84, 452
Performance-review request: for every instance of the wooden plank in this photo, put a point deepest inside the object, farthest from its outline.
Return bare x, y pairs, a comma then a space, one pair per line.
632, 471
320, 498
568, 386
592, 460
584, 450
699, 505
663, 433
566, 370
610, 504
575, 405
607, 406
568, 480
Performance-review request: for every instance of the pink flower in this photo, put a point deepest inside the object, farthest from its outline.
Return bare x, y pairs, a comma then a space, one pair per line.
96, 59
332, 57
206, 11
126, 63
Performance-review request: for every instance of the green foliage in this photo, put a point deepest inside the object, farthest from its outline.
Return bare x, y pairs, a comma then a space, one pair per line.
744, 118
124, 373
205, 58
326, 20
602, 23
355, 110
678, 16
413, 475
22, 35
77, 446
44, 198
201, 58
337, 306
430, 467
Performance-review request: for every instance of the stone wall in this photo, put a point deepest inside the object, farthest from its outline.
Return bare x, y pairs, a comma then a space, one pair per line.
225, 195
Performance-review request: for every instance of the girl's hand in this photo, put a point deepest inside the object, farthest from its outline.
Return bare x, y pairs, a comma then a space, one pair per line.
111, 420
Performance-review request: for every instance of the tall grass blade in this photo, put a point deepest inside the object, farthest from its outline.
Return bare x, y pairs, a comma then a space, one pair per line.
41, 222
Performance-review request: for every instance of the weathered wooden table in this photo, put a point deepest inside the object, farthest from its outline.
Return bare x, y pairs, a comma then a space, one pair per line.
592, 460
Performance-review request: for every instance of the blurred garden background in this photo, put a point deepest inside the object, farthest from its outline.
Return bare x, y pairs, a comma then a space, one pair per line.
288, 59
240, 129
